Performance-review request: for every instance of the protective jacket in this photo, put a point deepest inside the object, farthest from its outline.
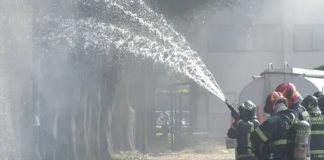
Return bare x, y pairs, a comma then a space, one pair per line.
317, 137
242, 131
299, 111
271, 137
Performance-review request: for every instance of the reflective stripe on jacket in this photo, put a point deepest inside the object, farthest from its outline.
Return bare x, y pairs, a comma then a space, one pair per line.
317, 137
242, 131
271, 137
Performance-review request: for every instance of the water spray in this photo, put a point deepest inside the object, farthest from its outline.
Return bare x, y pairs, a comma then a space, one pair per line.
101, 36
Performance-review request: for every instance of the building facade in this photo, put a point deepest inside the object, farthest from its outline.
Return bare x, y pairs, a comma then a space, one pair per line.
238, 43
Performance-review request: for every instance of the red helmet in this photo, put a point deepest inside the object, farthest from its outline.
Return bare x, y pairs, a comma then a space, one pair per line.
289, 91
272, 99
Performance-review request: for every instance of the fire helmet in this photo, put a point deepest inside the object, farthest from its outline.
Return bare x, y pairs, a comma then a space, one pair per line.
271, 101
320, 98
247, 110
318, 94
321, 104
289, 91
311, 104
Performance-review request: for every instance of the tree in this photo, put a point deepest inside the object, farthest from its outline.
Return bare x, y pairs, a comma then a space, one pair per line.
181, 7
76, 89
320, 68
123, 119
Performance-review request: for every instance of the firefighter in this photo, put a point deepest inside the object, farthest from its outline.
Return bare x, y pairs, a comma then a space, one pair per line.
321, 104
164, 121
318, 94
289, 91
242, 129
317, 127
271, 137
320, 99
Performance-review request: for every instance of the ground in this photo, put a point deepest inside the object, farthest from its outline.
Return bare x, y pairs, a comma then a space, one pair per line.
191, 156
200, 152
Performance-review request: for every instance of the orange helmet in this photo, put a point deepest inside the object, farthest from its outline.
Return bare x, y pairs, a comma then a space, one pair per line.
272, 99
289, 91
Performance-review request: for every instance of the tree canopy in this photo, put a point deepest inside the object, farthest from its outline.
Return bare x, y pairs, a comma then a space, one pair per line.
320, 67
179, 7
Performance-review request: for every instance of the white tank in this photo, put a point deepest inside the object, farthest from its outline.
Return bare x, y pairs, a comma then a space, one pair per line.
306, 81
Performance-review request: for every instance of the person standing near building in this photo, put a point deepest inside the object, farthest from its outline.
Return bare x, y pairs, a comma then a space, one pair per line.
164, 121
271, 137
317, 127
242, 128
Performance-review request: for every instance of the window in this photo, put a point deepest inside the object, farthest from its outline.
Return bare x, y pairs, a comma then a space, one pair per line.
309, 37
264, 37
235, 38
224, 38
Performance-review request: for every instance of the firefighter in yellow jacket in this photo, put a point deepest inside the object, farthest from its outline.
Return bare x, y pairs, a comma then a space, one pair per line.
317, 127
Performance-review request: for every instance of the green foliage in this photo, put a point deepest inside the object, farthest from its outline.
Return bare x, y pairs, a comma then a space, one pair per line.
320, 68
178, 7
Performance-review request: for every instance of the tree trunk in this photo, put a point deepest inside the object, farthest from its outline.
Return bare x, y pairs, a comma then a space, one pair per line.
193, 106
151, 81
123, 118
143, 86
76, 93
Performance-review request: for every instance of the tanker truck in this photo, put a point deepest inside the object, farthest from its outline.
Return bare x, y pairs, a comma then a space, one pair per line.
307, 82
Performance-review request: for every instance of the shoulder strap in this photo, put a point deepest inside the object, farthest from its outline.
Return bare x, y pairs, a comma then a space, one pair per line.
291, 120
303, 112
252, 126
